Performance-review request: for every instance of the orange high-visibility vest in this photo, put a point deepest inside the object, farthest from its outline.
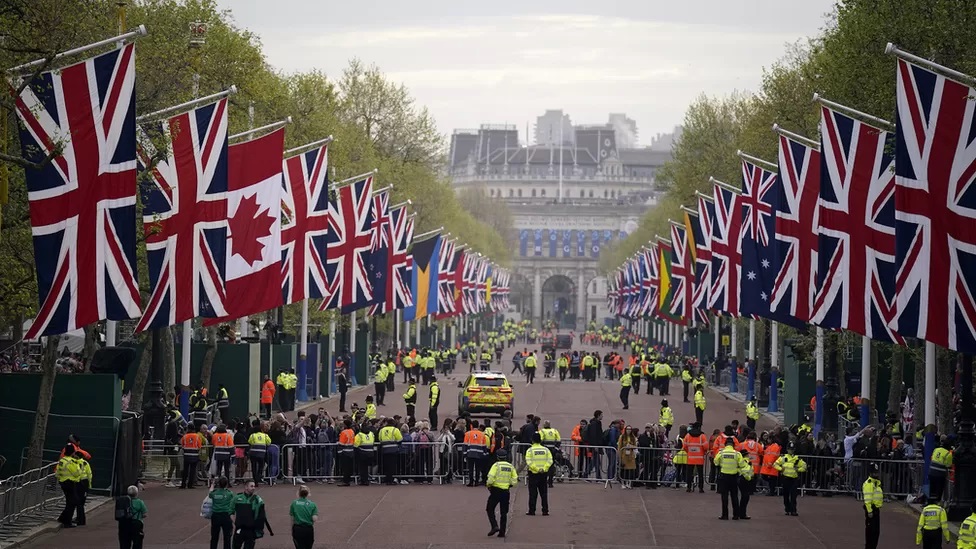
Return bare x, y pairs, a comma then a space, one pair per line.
267, 392
755, 453
770, 456
695, 446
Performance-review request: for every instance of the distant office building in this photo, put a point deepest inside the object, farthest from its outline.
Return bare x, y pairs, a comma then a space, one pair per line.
625, 130
547, 128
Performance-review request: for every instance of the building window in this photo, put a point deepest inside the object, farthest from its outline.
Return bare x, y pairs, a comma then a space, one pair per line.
511, 193
493, 192
582, 193
613, 194
591, 193
604, 193
543, 192
520, 193
533, 193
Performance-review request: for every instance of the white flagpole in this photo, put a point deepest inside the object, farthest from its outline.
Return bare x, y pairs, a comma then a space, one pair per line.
303, 349
139, 31
865, 376
929, 383
752, 340
352, 345
735, 338
406, 333
396, 319
244, 324
717, 336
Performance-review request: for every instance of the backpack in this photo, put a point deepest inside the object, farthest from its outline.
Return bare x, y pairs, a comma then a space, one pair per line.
123, 508
606, 437
424, 440
293, 435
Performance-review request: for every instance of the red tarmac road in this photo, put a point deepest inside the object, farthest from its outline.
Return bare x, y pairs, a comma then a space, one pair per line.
582, 515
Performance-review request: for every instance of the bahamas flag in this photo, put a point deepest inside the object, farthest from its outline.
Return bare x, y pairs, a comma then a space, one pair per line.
426, 254
666, 290
488, 303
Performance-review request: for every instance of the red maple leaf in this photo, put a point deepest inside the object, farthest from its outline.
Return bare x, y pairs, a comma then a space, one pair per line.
246, 227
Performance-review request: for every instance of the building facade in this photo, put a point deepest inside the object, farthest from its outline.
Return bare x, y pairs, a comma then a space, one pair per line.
570, 201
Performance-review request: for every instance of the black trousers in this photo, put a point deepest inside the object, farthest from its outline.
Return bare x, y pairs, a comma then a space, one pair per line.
789, 493
636, 384
220, 523
130, 534
412, 411
244, 539
728, 486
872, 529
498, 498
81, 498
380, 389
625, 396
346, 464
257, 469
530, 374
686, 384
562, 374
746, 488
936, 487
223, 465
266, 410
651, 383
189, 472
342, 401
70, 489
364, 463
303, 536
751, 424
432, 416
699, 415
389, 463
539, 488
931, 539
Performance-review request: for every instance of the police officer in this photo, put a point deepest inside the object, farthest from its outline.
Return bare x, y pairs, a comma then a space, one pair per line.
198, 408
666, 418
538, 460
434, 399
699, 403
389, 439
967, 530
626, 381
932, 525
530, 366
790, 466
410, 398
365, 453
223, 404
752, 413
379, 384
746, 474
873, 498
729, 462
550, 439
68, 474
686, 381
501, 478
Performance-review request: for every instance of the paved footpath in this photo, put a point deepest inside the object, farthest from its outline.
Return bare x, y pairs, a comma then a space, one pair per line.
582, 515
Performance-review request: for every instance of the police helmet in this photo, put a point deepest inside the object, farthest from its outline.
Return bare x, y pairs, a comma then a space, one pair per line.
501, 453
664, 402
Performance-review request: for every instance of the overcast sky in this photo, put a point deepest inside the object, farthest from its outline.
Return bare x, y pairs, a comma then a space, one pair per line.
507, 61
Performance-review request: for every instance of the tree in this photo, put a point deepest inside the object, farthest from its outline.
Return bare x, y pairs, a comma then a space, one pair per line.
49, 372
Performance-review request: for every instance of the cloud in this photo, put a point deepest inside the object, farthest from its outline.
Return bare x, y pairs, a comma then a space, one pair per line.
474, 64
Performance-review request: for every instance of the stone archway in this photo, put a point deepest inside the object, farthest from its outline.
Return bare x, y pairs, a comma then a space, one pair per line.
559, 300
520, 295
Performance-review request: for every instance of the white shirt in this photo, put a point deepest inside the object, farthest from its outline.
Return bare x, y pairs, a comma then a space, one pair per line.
849, 443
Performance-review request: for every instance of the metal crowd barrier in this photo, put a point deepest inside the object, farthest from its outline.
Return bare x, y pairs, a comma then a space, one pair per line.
164, 463
29, 493
414, 462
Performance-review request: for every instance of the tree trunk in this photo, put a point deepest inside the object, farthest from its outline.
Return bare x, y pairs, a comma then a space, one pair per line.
208, 358
91, 344
875, 372
943, 384
45, 393
169, 361
897, 378
142, 375
919, 420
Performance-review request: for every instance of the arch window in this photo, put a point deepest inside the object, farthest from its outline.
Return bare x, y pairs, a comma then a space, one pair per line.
543, 192
520, 193
582, 193
511, 193
591, 193
533, 193
493, 192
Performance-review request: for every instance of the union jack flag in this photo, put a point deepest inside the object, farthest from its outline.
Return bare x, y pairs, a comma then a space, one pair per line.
649, 281
856, 273
82, 203
795, 247
305, 222
703, 255
470, 286
185, 219
481, 286
682, 274
612, 293
935, 208
504, 279
350, 243
446, 280
726, 252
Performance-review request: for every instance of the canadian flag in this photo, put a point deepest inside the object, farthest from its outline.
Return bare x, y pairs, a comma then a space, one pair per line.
253, 270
